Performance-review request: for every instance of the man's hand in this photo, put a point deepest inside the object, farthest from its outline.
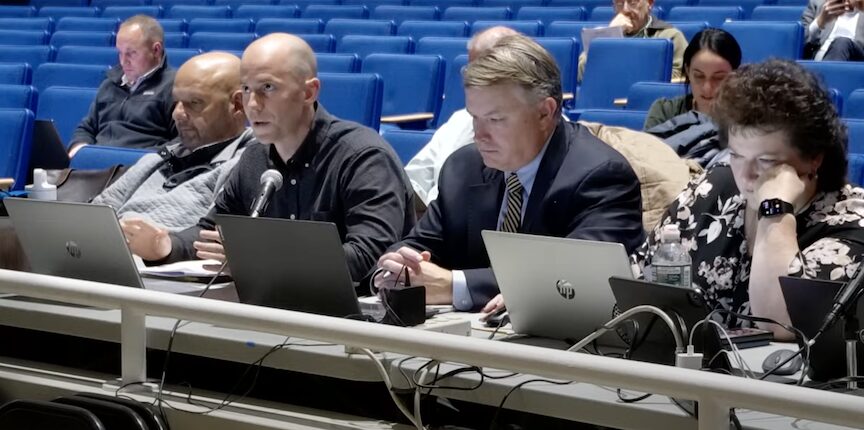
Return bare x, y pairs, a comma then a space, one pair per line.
624, 21
210, 246
74, 147
494, 305
146, 240
831, 10
437, 280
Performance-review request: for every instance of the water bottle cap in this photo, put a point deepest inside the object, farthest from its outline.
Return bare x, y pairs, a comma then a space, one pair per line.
670, 233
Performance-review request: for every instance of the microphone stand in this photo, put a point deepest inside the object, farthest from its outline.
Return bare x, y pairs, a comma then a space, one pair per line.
851, 327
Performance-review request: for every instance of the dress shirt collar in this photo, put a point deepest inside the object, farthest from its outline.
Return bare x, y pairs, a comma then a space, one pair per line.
528, 172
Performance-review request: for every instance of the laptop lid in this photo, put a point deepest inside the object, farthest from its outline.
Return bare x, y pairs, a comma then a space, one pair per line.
556, 287
288, 264
48, 151
73, 240
808, 301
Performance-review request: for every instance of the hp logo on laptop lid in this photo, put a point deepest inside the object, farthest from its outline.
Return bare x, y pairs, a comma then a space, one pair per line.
73, 249
565, 289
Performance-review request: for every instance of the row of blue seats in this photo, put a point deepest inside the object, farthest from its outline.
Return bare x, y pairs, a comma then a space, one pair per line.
386, 24
514, 4
758, 40
728, 10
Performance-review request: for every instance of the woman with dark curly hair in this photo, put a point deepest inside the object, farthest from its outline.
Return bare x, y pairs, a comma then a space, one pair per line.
781, 206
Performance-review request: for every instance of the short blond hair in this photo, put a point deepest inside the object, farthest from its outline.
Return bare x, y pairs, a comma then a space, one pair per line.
518, 60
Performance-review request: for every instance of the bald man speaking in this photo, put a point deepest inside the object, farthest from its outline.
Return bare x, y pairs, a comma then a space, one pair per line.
333, 170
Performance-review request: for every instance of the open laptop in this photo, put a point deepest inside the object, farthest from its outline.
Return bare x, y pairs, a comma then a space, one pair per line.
80, 241
556, 288
48, 151
289, 264
808, 301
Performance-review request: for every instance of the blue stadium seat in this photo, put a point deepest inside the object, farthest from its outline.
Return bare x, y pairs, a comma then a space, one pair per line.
328, 12
339, 27
514, 5
59, 3
448, 3
548, 14
96, 157
82, 38
15, 74
398, 14
760, 40
746, 5
856, 135
365, 45
258, 12
17, 126
17, 11
33, 24
33, 55
454, 91
221, 25
353, 96
124, 12
853, 107
18, 97
632, 119
845, 76
319, 42
338, 63
174, 25
178, 56
102, 4
65, 106
689, 28
403, 86
236, 4
447, 47
24, 37
303, 4
836, 98
99, 55
168, 4
209, 41
566, 51
589, 5
801, 3
190, 12
643, 94
855, 173
421, 29
176, 40
528, 28
714, 15
293, 26
777, 13
68, 75
74, 23
471, 14
407, 143
602, 13
571, 28
58, 12
666, 5
604, 79
372, 4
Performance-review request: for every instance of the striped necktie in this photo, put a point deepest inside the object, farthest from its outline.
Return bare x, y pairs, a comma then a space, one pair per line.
513, 214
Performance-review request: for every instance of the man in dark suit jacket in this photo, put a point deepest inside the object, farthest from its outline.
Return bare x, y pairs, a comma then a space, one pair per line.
571, 183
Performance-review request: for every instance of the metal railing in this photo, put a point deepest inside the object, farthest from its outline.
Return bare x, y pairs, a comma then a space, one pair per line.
715, 393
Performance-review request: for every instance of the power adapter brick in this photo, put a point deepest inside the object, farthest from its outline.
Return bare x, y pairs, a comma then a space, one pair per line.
689, 359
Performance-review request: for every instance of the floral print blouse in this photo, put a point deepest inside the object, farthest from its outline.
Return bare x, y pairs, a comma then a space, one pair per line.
710, 216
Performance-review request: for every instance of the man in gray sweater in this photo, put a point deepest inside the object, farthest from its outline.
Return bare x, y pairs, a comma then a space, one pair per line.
176, 186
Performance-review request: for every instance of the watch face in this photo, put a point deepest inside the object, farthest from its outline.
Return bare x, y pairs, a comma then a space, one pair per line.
772, 207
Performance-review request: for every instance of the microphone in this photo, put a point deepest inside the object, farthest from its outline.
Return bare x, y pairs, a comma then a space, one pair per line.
847, 296
271, 181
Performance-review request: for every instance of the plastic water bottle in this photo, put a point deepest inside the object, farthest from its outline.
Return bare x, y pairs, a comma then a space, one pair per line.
671, 262
41, 189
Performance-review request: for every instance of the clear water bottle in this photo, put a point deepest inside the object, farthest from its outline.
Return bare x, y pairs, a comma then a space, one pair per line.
671, 264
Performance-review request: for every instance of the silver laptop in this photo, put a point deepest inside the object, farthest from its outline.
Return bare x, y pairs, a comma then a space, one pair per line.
289, 264
80, 241
556, 288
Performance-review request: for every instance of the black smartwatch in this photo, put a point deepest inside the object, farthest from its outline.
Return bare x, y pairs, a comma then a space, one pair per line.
775, 207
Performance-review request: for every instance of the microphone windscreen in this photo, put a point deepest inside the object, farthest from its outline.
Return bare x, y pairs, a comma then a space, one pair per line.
274, 176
